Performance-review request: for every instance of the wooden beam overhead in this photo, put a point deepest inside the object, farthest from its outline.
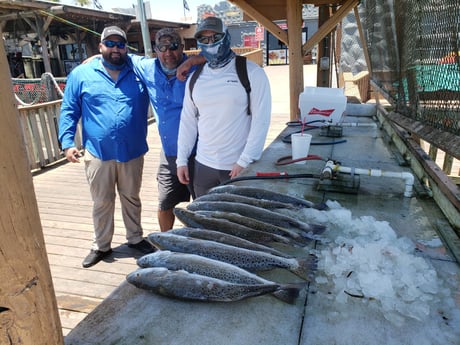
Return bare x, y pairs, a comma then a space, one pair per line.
276, 9
329, 25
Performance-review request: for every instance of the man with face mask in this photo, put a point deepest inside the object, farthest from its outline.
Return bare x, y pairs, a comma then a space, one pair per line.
216, 114
112, 104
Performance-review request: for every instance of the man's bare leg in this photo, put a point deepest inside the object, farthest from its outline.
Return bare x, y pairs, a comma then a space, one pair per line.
166, 219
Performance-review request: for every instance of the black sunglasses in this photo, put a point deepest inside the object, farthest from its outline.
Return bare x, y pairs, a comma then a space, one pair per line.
111, 44
164, 47
210, 39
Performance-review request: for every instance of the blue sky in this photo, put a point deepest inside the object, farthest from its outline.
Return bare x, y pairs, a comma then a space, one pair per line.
171, 10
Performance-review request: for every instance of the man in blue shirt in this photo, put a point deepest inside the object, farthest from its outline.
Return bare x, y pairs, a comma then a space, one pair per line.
112, 104
166, 93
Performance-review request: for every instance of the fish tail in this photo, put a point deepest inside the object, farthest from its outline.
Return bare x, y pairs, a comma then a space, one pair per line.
307, 267
321, 206
313, 232
318, 228
288, 293
302, 241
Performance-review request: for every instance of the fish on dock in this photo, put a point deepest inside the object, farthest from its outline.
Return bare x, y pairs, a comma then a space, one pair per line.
195, 220
259, 214
300, 237
195, 287
251, 260
222, 237
193, 263
266, 194
264, 203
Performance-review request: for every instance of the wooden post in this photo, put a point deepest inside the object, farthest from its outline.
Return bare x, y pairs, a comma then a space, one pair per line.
28, 307
294, 21
323, 74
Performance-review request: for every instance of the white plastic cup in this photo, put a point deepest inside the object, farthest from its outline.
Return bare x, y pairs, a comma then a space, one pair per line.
300, 143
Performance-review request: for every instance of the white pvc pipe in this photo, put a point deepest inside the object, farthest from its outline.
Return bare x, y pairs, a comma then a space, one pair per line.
406, 176
358, 124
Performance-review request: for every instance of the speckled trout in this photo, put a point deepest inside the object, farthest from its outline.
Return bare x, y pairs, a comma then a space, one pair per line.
264, 203
221, 237
255, 212
251, 260
266, 194
299, 236
195, 220
198, 264
195, 287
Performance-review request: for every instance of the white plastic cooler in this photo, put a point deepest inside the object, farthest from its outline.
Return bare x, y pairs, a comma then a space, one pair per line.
322, 103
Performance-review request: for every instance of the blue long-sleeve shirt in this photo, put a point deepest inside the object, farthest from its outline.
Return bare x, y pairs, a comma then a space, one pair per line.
113, 113
166, 96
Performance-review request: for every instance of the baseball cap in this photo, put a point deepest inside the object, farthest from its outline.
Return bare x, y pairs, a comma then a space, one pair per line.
210, 23
113, 30
167, 32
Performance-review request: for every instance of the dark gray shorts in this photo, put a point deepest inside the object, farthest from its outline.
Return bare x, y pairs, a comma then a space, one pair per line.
170, 191
206, 178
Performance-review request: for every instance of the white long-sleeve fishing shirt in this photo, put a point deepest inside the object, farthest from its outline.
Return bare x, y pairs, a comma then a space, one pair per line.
218, 117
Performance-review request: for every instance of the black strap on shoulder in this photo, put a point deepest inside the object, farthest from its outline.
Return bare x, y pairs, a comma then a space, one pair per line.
242, 71
193, 79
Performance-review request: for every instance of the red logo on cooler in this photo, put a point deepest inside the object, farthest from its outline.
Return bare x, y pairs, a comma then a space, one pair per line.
324, 112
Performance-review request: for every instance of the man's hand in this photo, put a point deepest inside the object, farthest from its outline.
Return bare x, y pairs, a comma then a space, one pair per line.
236, 170
72, 154
183, 174
184, 68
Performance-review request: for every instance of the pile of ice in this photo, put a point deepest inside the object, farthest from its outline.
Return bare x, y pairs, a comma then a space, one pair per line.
366, 260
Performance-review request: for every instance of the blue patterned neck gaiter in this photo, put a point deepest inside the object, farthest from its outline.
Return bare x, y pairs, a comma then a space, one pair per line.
217, 54
113, 67
168, 71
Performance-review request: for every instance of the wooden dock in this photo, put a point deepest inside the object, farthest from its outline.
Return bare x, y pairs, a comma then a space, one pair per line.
65, 208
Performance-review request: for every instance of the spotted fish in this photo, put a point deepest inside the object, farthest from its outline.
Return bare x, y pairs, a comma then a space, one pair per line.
195, 220
257, 213
196, 287
222, 237
251, 260
216, 269
266, 194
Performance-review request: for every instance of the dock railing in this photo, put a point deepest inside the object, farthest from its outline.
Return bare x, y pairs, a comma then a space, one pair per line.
39, 124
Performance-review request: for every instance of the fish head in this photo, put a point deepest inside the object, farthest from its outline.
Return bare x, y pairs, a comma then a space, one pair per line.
148, 259
146, 276
156, 239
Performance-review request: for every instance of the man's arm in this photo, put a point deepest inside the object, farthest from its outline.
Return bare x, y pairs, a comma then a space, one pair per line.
260, 118
184, 68
68, 119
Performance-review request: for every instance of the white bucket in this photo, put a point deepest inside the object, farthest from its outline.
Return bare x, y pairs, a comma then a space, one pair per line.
300, 144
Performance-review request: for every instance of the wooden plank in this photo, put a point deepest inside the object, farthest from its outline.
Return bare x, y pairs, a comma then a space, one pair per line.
294, 19
77, 303
70, 319
448, 142
445, 192
51, 119
45, 135
329, 25
28, 307
27, 137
